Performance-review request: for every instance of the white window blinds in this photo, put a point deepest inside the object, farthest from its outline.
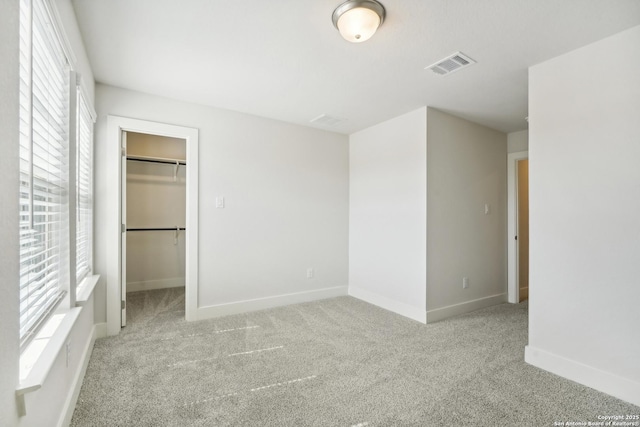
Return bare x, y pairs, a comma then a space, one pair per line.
44, 107
84, 190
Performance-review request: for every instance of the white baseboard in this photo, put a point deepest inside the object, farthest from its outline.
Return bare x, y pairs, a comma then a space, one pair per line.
72, 398
100, 330
213, 311
400, 308
149, 285
606, 382
464, 307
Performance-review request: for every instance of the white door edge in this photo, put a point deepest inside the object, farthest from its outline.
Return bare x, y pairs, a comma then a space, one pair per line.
123, 234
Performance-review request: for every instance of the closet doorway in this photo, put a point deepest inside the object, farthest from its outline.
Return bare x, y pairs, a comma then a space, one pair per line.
158, 164
154, 213
523, 230
518, 226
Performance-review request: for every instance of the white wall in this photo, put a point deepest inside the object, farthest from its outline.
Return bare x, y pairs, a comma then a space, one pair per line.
387, 218
466, 170
286, 202
584, 209
518, 141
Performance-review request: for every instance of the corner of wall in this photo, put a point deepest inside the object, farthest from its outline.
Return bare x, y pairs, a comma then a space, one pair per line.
406, 310
387, 214
614, 385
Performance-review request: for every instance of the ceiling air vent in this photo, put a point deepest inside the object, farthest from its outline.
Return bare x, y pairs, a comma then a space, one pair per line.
452, 63
326, 120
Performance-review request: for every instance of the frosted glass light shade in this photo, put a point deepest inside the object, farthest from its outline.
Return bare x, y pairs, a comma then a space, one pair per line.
358, 20
358, 24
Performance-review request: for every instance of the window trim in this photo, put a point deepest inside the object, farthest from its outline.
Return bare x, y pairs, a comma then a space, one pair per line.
83, 103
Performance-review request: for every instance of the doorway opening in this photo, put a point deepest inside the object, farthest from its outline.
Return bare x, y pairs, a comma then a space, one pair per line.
164, 222
523, 230
154, 214
518, 226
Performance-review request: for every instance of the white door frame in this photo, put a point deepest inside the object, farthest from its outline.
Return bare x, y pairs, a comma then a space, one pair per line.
513, 291
115, 126
123, 234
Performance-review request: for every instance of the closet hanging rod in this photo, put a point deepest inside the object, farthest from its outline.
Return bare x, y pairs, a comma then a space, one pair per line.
158, 229
156, 160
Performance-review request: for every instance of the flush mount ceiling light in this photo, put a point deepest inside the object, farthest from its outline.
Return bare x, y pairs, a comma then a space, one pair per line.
358, 20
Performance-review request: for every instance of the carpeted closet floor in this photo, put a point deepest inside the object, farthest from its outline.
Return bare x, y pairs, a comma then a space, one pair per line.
336, 362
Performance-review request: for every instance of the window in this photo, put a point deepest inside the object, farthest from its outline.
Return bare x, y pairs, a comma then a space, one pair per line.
84, 190
47, 270
44, 106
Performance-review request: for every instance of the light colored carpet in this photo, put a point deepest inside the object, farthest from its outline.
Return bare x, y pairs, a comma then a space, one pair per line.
336, 362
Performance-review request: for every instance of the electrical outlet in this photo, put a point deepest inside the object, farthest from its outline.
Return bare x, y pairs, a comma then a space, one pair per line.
309, 273
465, 282
68, 346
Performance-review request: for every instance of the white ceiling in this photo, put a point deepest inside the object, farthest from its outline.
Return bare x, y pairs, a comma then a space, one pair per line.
283, 59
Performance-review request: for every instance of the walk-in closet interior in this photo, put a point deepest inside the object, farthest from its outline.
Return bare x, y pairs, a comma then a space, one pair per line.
155, 207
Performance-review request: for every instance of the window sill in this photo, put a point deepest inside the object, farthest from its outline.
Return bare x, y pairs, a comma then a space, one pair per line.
84, 291
38, 358
40, 355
